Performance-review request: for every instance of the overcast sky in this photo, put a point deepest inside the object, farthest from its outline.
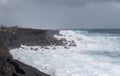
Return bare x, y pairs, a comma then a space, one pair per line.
61, 13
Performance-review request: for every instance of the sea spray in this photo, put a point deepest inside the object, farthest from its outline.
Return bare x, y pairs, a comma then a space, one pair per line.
95, 54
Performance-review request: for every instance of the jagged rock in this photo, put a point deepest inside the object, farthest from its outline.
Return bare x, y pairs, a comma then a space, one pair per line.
11, 67
30, 37
71, 43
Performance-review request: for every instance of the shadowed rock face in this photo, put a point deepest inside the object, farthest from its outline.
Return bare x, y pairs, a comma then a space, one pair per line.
28, 37
11, 67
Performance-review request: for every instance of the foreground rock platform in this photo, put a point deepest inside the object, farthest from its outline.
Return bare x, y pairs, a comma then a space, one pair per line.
11, 67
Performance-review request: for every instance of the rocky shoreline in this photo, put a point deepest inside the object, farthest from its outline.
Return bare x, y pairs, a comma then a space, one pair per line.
11, 67
26, 36
12, 37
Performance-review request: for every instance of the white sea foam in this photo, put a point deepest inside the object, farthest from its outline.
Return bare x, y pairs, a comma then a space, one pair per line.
94, 55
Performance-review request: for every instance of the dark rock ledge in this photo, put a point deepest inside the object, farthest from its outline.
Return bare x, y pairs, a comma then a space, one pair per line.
11, 67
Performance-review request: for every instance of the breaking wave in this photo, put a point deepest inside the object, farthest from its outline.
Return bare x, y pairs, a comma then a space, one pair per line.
95, 54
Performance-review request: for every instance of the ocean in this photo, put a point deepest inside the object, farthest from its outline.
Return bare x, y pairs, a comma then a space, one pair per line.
97, 53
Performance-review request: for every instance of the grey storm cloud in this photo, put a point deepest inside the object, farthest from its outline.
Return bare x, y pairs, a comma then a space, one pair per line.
72, 2
61, 13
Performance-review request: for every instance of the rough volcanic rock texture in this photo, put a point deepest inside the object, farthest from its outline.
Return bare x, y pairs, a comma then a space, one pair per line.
28, 37
11, 67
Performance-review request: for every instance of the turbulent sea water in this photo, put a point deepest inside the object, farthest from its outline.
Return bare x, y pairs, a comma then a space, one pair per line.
97, 54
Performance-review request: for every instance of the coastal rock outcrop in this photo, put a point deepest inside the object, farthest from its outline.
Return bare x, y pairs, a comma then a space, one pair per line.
13, 37
11, 67
26, 36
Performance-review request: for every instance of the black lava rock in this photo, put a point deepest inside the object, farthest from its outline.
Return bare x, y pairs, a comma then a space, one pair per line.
11, 67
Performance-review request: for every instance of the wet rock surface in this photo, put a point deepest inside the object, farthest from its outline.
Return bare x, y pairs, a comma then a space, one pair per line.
11, 67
